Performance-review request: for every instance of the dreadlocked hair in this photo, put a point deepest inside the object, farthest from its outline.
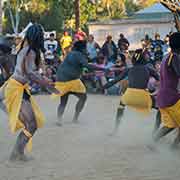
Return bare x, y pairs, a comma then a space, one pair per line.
35, 39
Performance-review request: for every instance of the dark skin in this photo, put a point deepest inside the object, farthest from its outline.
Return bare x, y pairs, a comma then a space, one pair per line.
175, 65
26, 114
134, 82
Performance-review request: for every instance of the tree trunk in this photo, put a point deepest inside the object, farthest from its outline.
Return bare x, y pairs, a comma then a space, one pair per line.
17, 17
174, 7
77, 13
177, 22
0, 16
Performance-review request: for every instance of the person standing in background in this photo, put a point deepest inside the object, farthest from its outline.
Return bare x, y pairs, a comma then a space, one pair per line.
109, 50
123, 43
66, 42
50, 46
92, 49
80, 35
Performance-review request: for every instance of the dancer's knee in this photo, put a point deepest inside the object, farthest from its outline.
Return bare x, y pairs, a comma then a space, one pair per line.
81, 102
84, 97
32, 127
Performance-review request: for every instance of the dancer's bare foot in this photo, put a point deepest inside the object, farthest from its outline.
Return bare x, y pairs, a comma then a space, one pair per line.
115, 131
19, 157
75, 121
59, 123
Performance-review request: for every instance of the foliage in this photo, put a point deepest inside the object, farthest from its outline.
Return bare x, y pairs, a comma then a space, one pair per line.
88, 12
146, 3
131, 7
112, 8
60, 14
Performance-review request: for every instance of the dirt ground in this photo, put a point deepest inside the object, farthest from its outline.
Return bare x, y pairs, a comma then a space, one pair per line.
86, 151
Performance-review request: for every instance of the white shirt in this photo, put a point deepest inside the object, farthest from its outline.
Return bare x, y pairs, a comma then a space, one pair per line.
50, 47
91, 49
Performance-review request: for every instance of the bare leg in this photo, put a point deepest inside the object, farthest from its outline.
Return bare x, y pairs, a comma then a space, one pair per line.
80, 105
120, 112
158, 115
61, 108
162, 132
28, 118
157, 122
177, 140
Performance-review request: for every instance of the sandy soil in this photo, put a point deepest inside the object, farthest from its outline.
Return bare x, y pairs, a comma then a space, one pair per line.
85, 151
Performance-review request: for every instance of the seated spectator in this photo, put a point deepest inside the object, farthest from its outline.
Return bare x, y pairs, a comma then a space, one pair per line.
92, 49
99, 76
119, 67
50, 74
109, 50
50, 46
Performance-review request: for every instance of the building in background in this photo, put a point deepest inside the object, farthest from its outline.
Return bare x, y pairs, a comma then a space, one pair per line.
147, 21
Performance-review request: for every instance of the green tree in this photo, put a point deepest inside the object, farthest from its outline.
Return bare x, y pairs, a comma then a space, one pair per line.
16, 11
146, 3
52, 14
88, 12
113, 8
60, 14
131, 7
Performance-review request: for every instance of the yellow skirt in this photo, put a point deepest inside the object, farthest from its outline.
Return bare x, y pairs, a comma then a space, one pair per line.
13, 92
70, 86
170, 116
137, 99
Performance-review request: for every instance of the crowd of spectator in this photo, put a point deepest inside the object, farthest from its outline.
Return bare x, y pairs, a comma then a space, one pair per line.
113, 55
117, 57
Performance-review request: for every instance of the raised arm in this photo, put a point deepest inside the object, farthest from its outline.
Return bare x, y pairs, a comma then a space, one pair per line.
92, 67
122, 76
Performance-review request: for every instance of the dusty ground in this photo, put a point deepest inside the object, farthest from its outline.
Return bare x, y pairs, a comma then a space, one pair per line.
86, 151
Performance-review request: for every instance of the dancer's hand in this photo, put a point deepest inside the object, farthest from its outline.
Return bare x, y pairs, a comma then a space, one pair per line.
51, 88
107, 70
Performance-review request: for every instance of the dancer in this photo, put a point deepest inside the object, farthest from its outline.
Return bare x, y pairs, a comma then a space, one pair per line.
68, 77
168, 97
136, 95
15, 98
6, 61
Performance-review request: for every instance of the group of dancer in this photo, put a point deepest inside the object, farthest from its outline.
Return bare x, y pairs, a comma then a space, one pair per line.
167, 99
24, 113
